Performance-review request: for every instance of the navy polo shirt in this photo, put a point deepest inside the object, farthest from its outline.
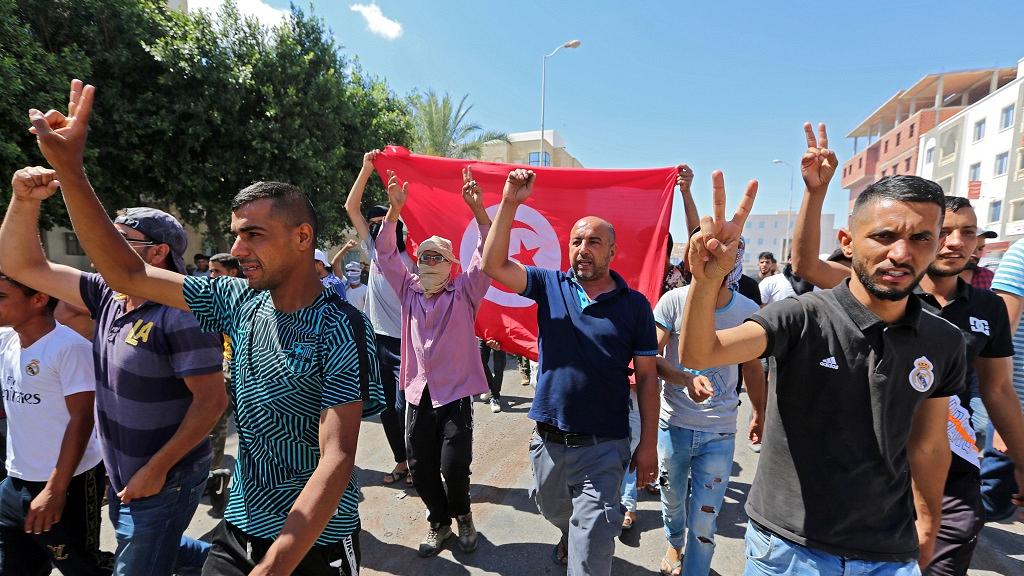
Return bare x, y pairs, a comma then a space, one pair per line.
585, 350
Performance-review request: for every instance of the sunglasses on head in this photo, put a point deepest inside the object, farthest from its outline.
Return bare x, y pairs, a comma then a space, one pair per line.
138, 241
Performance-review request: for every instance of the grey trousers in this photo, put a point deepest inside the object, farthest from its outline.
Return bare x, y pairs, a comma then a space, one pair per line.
579, 491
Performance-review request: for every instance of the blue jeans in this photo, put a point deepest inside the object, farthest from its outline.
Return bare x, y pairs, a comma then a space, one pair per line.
149, 530
697, 466
629, 481
768, 554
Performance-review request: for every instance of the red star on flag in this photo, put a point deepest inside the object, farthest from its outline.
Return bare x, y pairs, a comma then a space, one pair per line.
525, 255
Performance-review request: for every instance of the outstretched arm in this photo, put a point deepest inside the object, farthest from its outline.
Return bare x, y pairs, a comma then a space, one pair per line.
497, 265
712, 255
477, 280
62, 141
21, 253
388, 260
336, 263
817, 167
685, 182
355, 195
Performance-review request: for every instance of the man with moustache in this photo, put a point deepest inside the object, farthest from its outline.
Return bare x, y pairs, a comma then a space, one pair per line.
591, 325
855, 426
981, 317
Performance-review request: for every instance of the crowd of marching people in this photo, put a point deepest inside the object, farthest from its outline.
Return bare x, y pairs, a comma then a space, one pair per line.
884, 388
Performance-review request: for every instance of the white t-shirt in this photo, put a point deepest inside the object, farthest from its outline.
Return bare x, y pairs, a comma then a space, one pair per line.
35, 381
357, 296
775, 288
382, 305
717, 413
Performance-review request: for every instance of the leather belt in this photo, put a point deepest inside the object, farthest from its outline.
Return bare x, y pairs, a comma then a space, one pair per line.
551, 434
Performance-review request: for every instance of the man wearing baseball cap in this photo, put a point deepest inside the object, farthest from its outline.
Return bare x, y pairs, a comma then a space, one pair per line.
327, 277
159, 381
355, 288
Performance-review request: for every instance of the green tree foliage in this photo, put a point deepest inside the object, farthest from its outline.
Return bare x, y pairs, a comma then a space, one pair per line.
193, 107
443, 128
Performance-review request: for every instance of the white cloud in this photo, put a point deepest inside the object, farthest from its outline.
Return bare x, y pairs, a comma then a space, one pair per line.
265, 13
377, 22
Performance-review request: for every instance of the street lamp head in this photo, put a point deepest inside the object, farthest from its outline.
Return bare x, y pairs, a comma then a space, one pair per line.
776, 161
571, 44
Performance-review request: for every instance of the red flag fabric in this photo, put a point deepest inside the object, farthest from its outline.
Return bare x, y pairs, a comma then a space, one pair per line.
638, 203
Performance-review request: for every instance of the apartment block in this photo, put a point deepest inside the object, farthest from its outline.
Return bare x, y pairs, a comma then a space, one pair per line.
525, 148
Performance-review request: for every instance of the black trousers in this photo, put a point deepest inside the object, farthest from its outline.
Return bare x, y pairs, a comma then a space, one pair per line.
440, 441
393, 416
495, 376
962, 521
71, 545
235, 553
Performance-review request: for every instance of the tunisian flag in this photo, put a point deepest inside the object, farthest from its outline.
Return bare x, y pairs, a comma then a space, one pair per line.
637, 202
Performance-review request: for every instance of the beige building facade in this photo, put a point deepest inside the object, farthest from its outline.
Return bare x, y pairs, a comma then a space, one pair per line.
525, 148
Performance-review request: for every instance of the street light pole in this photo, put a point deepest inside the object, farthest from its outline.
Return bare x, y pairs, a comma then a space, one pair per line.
543, 79
789, 214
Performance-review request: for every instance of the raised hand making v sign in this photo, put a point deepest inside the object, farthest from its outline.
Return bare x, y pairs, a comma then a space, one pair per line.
817, 166
712, 253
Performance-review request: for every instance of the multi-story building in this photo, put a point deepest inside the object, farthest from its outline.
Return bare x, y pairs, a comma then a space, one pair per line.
977, 153
894, 130
525, 148
774, 232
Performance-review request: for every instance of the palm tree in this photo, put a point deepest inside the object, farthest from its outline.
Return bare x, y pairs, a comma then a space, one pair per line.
442, 129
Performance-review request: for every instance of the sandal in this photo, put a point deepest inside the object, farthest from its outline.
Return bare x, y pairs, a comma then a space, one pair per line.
560, 553
670, 568
396, 475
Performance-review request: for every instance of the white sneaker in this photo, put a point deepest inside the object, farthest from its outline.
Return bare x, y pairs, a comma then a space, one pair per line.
495, 406
485, 396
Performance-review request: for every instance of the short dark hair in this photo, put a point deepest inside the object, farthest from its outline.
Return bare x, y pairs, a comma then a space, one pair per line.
288, 199
199, 256
766, 256
902, 188
51, 304
955, 204
228, 261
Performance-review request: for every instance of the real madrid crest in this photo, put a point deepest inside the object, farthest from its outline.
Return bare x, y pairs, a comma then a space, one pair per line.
922, 376
32, 368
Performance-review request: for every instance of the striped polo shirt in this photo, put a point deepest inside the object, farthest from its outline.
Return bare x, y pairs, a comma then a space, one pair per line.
142, 358
287, 369
1010, 278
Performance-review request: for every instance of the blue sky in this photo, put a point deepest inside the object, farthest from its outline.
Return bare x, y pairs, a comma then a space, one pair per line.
720, 85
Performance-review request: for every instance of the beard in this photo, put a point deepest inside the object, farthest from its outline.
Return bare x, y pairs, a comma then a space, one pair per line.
881, 292
935, 269
596, 271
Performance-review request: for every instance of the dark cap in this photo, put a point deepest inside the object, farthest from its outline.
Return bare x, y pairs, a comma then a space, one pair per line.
161, 227
983, 233
837, 255
377, 211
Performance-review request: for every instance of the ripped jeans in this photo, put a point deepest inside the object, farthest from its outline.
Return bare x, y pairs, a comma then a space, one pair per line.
695, 468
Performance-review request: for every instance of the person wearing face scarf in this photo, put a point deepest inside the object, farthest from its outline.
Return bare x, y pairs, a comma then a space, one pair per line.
697, 433
440, 371
356, 290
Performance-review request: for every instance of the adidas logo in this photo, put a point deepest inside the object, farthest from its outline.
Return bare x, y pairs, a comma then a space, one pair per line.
829, 362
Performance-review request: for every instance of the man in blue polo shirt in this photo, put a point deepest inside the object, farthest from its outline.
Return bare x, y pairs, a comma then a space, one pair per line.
591, 326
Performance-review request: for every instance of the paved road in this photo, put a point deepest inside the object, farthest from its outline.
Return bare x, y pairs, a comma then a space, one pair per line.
515, 540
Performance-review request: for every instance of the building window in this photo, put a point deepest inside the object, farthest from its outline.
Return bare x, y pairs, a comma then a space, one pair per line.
898, 135
885, 146
948, 144
760, 224
979, 130
906, 165
1006, 117
929, 155
1017, 210
995, 211
71, 245
884, 173
974, 172
1001, 163
860, 162
910, 134
535, 159
895, 169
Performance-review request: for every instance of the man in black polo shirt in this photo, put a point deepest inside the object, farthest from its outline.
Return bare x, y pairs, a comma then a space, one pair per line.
857, 416
981, 317
591, 325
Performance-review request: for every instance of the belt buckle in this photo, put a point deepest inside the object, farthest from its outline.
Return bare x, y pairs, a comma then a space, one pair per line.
575, 440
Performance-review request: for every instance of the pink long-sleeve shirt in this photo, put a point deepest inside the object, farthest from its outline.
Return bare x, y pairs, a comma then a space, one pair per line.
439, 346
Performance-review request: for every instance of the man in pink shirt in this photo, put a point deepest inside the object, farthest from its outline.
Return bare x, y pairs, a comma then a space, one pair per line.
440, 370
